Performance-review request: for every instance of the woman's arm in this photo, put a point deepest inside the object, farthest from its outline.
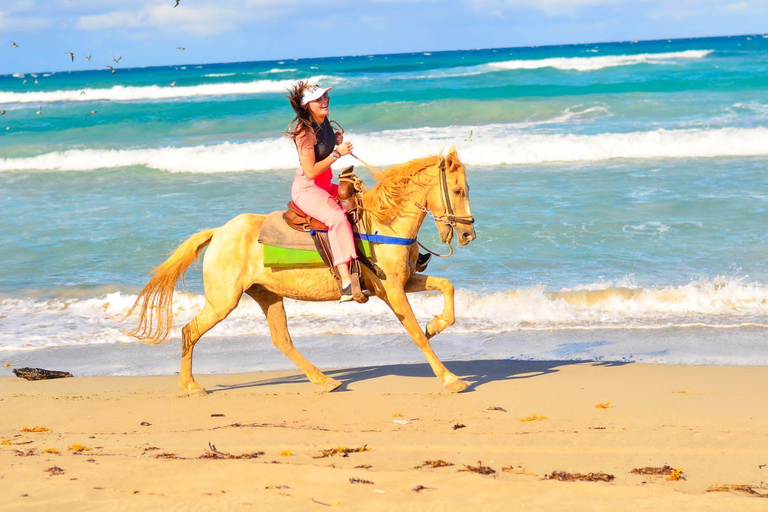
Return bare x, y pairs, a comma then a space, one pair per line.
305, 144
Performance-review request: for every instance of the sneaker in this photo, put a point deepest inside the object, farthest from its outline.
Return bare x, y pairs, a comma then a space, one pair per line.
422, 261
346, 294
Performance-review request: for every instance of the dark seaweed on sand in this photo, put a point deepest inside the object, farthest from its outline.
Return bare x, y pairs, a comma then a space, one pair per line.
341, 450
578, 477
434, 464
213, 453
359, 481
483, 470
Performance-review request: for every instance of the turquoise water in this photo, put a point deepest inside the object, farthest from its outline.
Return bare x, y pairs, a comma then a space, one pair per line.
615, 186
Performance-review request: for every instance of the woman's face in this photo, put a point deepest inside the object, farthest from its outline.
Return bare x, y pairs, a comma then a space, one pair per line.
319, 107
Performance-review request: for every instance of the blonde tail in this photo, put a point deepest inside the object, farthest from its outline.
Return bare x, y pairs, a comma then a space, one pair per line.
155, 302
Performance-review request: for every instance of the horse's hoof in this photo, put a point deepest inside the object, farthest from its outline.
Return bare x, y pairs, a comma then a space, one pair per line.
331, 385
457, 386
194, 389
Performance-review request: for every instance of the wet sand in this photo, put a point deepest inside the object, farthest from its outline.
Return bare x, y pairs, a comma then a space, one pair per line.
145, 446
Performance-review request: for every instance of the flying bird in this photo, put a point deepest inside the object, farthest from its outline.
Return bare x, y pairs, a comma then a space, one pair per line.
71, 56
173, 84
22, 83
40, 110
82, 93
87, 57
177, 4
2, 112
117, 59
469, 139
14, 45
93, 112
35, 82
180, 48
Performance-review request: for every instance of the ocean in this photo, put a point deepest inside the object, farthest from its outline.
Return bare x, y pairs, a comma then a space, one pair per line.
620, 192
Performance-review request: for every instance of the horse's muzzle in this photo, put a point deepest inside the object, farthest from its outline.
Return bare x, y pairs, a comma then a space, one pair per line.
466, 236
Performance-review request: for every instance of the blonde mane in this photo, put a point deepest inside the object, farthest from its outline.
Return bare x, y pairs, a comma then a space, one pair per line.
388, 198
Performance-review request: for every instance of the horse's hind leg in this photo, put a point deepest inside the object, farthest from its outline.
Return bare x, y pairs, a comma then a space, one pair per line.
272, 305
420, 283
202, 323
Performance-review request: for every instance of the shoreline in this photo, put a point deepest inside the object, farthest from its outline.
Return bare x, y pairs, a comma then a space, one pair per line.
710, 422
673, 346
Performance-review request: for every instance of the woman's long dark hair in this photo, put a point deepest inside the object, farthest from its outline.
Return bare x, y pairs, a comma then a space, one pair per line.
303, 120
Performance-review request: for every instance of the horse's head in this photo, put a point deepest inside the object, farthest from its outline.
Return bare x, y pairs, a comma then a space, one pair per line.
449, 201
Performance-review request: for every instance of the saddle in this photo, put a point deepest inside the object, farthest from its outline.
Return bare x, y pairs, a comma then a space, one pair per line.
346, 197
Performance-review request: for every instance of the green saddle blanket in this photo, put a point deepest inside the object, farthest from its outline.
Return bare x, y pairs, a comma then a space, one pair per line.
284, 247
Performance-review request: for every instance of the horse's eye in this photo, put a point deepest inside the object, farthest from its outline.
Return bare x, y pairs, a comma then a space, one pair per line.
457, 191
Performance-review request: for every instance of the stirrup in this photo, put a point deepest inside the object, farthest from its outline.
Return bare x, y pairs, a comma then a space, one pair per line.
357, 292
422, 261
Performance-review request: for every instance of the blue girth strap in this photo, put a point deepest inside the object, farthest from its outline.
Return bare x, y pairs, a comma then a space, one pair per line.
382, 239
376, 238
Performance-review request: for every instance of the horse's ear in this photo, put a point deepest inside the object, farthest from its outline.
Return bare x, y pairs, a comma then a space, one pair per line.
451, 158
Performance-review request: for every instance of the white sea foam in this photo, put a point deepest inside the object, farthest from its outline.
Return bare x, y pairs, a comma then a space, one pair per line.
219, 75
278, 70
156, 92
490, 145
600, 62
31, 324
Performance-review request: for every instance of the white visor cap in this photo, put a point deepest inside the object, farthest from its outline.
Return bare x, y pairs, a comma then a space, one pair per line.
312, 93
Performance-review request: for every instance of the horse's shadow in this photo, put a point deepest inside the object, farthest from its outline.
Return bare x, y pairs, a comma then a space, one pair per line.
475, 373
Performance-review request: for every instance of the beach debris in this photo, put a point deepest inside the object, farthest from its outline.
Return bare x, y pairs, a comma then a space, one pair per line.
36, 429
578, 477
171, 456
341, 450
5, 442
363, 466
331, 504
213, 453
401, 422
483, 470
54, 470
39, 373
535, 417
518, 471
217, 415
27, 453
606, 405
286, 453
151, 448
672, 474
596, 428
500, 409
360, 481
751, 490
420, 488
761, 466
277, 487
51, 450
145, 424
79, 448
457, 426
434, 464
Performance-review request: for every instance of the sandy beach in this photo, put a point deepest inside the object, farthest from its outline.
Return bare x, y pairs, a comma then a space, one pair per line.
257, 440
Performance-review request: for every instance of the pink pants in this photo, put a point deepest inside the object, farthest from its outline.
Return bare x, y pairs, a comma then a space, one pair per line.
318, 198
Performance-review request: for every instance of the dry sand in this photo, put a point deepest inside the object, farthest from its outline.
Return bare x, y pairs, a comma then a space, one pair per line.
146, 442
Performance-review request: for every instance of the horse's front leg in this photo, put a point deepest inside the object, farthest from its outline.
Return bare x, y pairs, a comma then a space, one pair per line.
399, 304
420, 283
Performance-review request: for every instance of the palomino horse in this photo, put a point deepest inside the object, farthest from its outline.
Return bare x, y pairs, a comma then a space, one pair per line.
232, 266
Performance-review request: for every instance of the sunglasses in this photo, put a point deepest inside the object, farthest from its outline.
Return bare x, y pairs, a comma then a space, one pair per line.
325, 97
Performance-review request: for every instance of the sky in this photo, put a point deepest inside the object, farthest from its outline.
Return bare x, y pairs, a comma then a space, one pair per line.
151, 32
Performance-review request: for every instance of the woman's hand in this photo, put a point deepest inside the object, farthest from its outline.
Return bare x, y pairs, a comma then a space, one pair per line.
345, 148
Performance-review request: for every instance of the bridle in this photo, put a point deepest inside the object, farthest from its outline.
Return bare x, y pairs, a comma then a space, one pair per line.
448, 218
